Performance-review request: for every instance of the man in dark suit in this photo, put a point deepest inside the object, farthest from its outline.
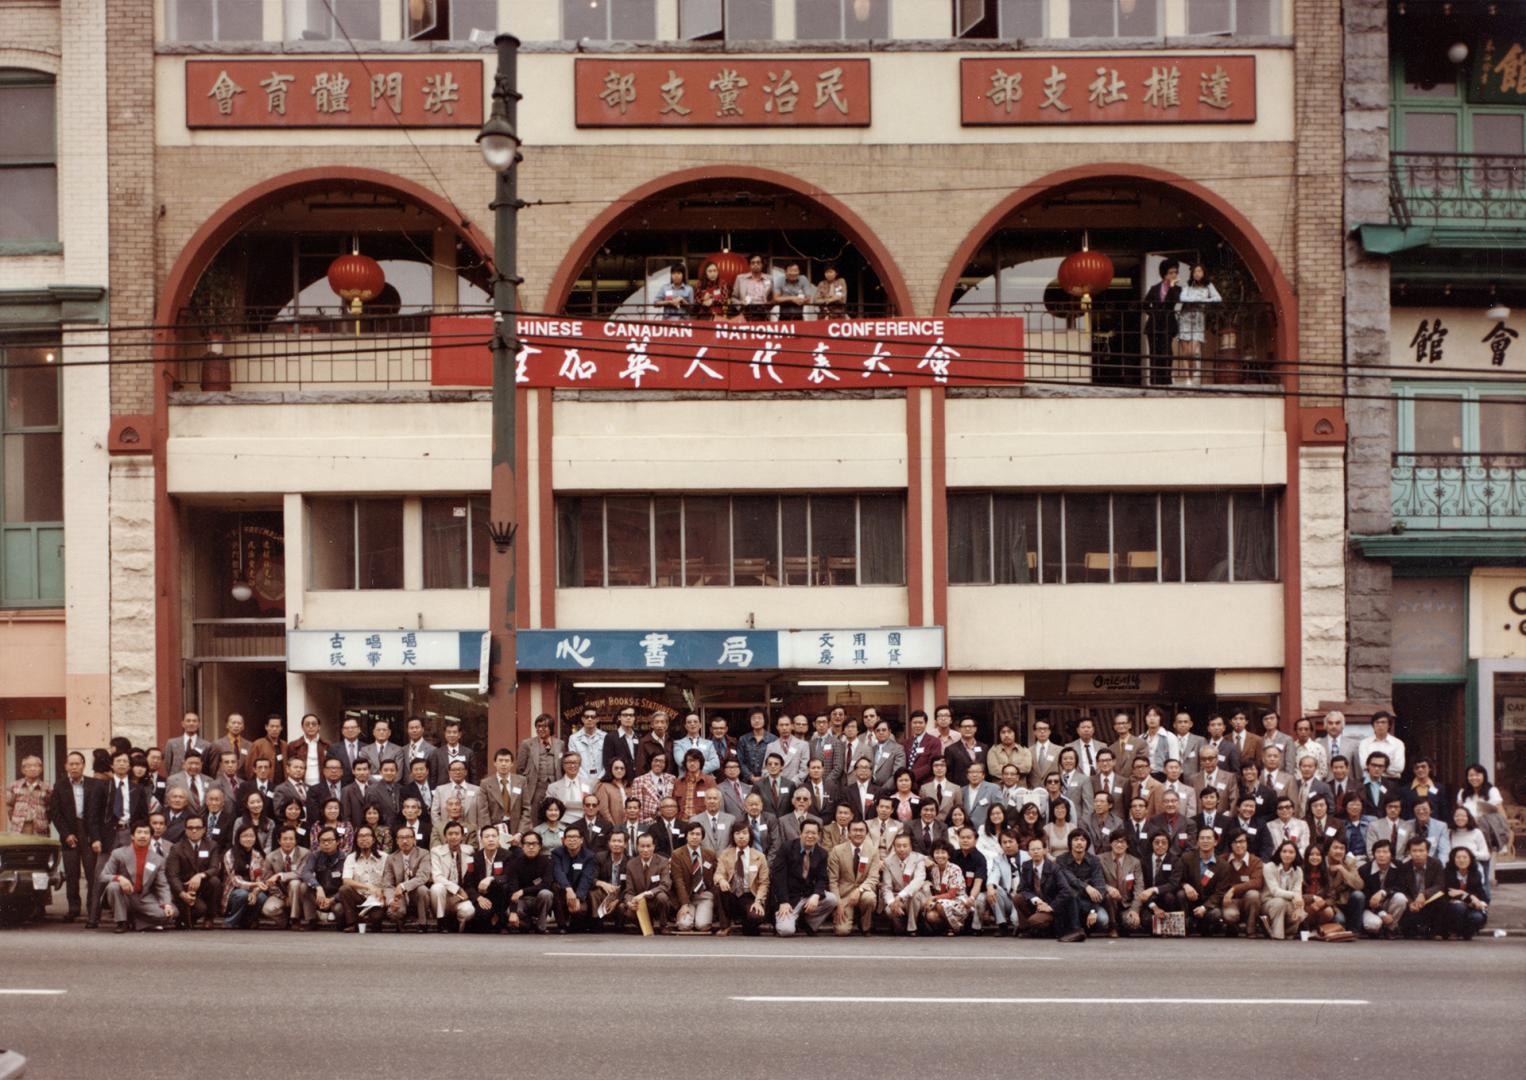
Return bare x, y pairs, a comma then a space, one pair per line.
348, 748
453, 749
667, 830
921, 747
329, 786
1376, 788
654, 740
963, 753
1426, 913
262, 782
194, 869
622, 744
764, 826
928, 831
382, 748
176, 749
772, 788
1160, 307
1160, 873
359, 794
1043, 900
805, 895
76, 809
824, 792
124, 807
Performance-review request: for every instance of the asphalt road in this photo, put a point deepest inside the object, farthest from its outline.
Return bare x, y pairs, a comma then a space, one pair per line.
421, 1006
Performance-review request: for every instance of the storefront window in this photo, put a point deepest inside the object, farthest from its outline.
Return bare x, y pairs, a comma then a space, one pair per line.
1509, 772
719, 540
1114, 18
333, 20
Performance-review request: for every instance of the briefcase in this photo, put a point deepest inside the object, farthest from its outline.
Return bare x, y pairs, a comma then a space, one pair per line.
1170, 924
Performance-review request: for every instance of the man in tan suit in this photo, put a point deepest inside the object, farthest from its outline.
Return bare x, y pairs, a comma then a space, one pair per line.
405, 882
693, 871
450, 861
853, 874
1126, 745
741, 882
903, 885
539, 761
647, 883
288, 898
1247, 743
503, 798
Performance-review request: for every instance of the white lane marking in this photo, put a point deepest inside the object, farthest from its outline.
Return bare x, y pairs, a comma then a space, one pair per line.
793, 956
847, 999
37, 993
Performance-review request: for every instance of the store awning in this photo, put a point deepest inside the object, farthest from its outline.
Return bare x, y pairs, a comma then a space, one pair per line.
852, 649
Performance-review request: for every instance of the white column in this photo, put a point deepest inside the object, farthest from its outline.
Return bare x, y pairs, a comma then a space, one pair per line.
413, 544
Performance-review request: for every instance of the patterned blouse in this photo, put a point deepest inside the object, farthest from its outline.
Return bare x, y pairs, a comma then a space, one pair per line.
28, 800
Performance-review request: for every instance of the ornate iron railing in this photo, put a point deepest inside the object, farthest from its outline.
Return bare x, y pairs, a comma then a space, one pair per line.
1459, 491
1457, 189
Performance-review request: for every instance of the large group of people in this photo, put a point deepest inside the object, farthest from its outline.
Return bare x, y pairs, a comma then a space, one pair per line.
826, 823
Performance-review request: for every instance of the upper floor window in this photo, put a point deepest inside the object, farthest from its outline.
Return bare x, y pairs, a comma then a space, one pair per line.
729, 20
355, 543
841, 20
215, 20
333, 20
1440, 424
1019, 539
1114, 18
1233, 17
448, 20
456, 542
31, 475
731, 540
28, 161
609, 20
1006, 19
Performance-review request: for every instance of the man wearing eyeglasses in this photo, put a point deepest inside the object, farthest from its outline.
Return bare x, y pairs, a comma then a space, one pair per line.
194, 871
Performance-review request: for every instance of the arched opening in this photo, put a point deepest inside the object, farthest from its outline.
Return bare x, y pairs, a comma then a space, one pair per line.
251, 286
1235, 332
624, 256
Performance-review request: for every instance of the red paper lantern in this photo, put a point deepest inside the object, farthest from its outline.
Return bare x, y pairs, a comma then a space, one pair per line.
731, 264
1086, 274
356, 278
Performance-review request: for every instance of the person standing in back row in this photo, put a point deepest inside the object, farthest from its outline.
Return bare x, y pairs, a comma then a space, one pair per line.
1160, 308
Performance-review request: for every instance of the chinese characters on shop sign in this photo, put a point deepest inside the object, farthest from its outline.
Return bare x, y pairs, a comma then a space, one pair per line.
1167, 88
723, 92
846, 354
279, 92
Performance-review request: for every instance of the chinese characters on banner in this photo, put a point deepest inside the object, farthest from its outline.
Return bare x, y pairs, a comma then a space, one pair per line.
1453, 338
845, 354
1102, 89
277, 91
646, 649
383, 650
1499, 72
723, 92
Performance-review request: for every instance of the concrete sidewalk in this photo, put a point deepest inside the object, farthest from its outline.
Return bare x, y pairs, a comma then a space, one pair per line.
1507, 908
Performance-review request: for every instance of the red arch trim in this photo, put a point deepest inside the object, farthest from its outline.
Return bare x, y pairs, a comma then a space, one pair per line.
188, 267
233, 215
1271, 281
608, 221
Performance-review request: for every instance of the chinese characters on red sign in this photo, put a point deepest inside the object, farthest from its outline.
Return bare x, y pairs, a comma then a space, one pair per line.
1103, 89
845, 354
723, 92
280, 92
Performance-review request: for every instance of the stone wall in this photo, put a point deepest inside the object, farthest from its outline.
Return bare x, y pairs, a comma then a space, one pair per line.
132, 599
1369, 423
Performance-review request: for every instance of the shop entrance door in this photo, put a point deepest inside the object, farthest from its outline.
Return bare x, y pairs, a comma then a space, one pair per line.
46, 739
1063, 718
735, 712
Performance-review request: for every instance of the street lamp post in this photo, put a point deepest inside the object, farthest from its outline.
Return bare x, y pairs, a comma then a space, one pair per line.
500, 149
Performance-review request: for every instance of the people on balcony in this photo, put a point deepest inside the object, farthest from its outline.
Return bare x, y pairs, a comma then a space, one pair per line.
1192, 321
793, 293
1160, 308
714, 297
831, 297
754, 291
675, 300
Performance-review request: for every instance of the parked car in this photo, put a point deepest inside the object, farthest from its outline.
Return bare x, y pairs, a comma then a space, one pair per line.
31, 867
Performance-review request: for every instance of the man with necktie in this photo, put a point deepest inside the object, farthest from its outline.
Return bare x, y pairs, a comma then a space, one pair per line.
135, 885
853, 875
806, 896
188, 740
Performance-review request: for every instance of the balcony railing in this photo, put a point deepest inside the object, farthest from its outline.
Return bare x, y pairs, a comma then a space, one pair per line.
1108, 344
1459, 491
1467, 190
242, 640
269, 350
